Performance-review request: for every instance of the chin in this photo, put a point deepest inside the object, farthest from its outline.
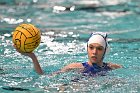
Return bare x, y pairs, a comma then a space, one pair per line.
94, 61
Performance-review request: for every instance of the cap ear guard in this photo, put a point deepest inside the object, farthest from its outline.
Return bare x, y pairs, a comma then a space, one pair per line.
107, 48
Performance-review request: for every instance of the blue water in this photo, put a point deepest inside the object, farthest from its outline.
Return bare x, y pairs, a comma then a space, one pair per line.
64, 35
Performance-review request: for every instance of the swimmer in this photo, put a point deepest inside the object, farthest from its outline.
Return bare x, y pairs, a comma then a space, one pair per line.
97, 47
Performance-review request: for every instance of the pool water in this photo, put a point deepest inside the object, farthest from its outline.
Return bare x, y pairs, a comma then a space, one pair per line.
63, 39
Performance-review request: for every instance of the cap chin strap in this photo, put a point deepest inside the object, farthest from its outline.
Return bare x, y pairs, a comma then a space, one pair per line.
104, 53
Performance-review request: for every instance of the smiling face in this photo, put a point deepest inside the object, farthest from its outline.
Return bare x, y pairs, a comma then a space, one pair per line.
95, 53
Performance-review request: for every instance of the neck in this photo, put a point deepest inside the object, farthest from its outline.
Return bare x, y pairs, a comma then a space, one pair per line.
100, 63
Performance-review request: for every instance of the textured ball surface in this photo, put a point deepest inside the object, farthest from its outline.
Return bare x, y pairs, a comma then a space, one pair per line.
26, 37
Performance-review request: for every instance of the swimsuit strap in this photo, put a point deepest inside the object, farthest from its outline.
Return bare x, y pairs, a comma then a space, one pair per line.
85, 64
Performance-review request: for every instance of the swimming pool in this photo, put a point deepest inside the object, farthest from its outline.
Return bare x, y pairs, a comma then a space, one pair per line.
64, 34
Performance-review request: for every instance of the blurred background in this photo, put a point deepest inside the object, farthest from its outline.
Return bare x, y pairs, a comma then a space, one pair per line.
65, 26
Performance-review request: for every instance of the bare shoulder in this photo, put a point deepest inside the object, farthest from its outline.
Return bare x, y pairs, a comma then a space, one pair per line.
114, 66
72, 66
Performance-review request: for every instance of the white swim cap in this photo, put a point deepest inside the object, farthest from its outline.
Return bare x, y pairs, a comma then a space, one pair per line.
100, 38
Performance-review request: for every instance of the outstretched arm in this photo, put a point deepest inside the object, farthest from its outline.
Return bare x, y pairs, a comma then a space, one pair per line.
34, 59
114, 66
68, 68
35, 62
72, 66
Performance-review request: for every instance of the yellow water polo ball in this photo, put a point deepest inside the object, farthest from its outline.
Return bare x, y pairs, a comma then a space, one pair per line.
26, 37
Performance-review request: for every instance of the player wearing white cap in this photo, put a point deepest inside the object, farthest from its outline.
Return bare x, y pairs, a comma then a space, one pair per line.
97, 47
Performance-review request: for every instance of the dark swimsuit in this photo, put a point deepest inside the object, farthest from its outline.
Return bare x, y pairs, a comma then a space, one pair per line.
95, 70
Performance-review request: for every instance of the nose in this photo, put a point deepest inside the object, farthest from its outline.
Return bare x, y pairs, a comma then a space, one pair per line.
94, 51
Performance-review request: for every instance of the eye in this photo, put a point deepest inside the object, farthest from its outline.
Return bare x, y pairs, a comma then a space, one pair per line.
100, 48
91, 47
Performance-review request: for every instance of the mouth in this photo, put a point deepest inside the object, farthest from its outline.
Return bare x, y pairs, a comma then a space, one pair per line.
94, 58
